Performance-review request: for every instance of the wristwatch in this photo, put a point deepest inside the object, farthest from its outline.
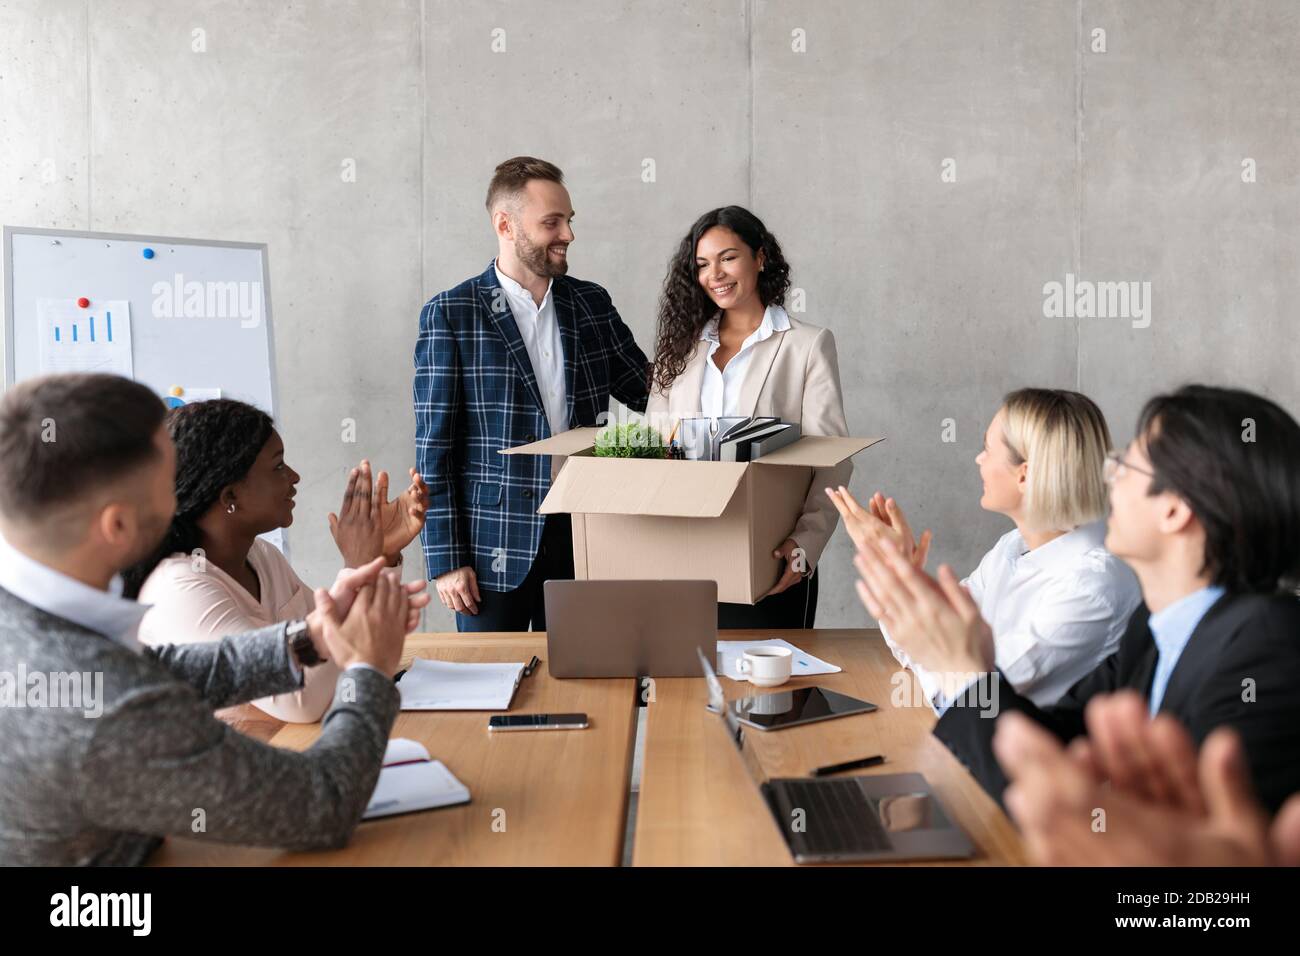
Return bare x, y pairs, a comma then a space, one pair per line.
299, 637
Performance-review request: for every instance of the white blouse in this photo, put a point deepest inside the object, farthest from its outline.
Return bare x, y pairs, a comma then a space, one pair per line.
1056, 612
720, 389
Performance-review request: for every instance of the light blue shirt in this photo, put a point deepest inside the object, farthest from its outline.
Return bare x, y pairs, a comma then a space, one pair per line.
1172, 628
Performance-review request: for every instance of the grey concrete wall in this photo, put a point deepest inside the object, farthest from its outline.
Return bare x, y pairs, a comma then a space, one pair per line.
832, 120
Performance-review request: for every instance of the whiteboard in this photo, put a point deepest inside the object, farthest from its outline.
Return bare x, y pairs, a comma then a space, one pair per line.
200, 310
189, 316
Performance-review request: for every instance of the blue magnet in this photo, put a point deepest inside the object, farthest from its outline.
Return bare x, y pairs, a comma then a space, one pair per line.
148, 253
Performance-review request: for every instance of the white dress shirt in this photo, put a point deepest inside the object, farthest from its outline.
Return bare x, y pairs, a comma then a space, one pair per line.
1056, 612
540, 330
104, 612
720, 390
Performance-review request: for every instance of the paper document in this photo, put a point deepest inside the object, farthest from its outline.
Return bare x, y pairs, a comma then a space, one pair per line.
444, 685
93, 339
410, 782
402, 750
802, 664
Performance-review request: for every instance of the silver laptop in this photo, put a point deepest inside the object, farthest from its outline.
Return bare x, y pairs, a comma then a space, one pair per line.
891, 817
630, 628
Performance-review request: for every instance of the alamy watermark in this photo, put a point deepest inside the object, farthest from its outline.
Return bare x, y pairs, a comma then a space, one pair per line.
182, 299
75, 908
61, 690
977, 690
1083, 299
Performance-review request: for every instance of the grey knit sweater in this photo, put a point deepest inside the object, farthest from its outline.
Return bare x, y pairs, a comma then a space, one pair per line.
78, 788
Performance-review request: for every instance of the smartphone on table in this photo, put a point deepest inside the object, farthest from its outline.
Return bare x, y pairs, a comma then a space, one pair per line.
537, 722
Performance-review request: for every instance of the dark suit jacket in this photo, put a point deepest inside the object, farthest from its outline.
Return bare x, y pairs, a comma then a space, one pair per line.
1241, 667
476, 393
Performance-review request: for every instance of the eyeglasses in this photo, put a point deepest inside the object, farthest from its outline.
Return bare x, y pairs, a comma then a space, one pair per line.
1117, 467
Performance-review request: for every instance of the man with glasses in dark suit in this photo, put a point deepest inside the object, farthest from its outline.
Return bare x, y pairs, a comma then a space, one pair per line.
1205, 507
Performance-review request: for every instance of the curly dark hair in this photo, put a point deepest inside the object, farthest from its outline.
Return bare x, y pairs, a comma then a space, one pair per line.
217, 442
684, 307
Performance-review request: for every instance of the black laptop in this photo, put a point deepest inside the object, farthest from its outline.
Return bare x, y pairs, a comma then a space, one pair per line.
887, 817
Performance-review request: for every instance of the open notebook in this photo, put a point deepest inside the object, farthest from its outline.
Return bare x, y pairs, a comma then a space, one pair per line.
447, 685
411, 780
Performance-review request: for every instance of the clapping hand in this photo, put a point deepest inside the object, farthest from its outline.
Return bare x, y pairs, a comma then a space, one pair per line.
881, 520
334, 605
357, 528
373, 632
350, 580
936, 622
403, 517
1185, 811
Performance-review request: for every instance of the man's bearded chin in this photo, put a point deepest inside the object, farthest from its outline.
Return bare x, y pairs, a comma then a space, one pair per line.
535, 258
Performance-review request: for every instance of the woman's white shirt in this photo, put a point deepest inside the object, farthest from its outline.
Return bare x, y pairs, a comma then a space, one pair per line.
1056, 612
720, 388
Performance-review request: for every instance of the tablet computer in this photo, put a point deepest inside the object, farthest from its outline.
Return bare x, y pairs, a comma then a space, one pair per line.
790, 708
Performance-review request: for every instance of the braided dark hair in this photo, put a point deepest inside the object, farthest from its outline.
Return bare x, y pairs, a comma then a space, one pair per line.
684, 307
216, 442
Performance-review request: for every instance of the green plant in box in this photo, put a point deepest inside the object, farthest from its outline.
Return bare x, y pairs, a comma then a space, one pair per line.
631, 440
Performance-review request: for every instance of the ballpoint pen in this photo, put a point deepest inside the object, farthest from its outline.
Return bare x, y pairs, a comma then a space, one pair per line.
848, 765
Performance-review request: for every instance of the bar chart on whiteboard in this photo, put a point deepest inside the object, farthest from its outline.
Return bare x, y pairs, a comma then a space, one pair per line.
91, 338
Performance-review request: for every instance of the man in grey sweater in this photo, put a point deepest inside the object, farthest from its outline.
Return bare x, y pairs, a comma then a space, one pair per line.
107, 746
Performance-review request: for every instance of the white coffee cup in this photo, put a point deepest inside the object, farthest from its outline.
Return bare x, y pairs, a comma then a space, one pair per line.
766, 666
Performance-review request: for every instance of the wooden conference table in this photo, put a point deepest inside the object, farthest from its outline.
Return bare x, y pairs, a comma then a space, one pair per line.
561, 798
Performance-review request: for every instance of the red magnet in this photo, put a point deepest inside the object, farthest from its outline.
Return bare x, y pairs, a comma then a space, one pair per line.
83, 302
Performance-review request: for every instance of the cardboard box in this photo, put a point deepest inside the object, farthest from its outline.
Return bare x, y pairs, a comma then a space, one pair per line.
699, 520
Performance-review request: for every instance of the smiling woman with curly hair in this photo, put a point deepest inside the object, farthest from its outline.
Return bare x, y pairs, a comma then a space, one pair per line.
726, 347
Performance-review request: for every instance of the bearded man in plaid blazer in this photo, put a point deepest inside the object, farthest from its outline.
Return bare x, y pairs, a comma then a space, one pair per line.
509, 357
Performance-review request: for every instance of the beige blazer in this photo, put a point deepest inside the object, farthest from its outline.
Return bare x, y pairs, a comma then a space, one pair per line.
793, 375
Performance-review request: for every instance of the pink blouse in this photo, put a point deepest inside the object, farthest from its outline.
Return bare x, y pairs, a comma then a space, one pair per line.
194, 600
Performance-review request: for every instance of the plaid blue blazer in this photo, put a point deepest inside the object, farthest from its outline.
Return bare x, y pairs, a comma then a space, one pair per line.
475, 393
